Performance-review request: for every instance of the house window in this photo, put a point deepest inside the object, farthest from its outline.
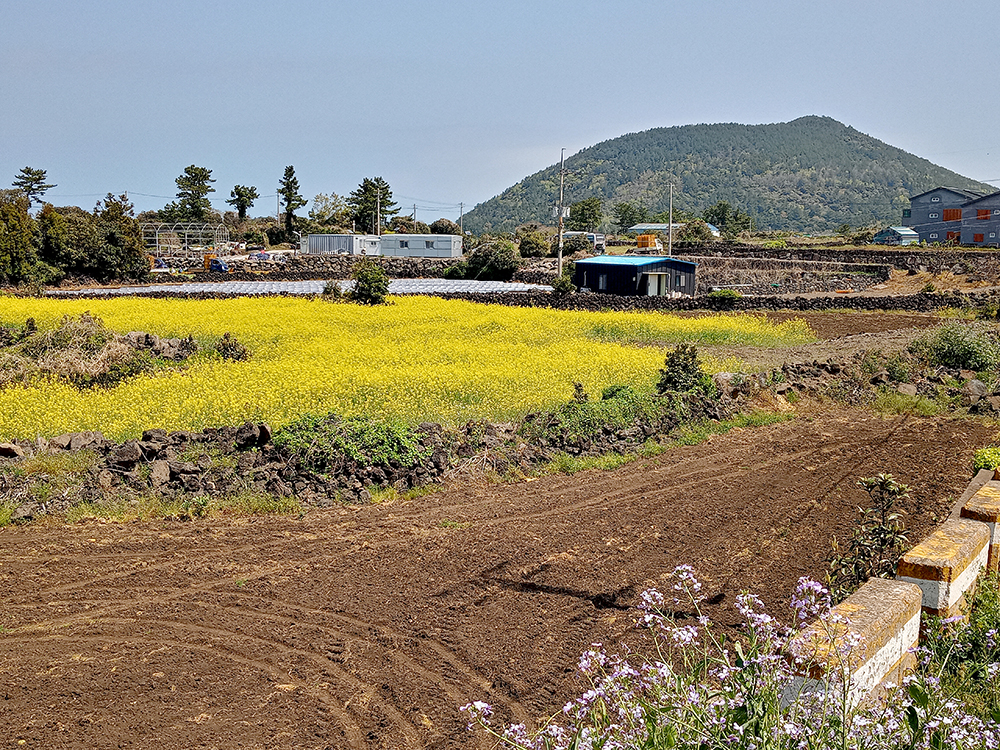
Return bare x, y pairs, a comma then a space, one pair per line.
953, 214
602, 281
404, 244
429, 244
679, 280
907, 213
932, 216
977, 238
983, 214
934, 236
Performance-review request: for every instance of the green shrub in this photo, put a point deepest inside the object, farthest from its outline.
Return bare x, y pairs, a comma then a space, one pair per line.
332, 290
969, 346
986, 458
457, 271
323, 444
562, 286
775, 245
494, 260
533, 245
371, 283
581, 418
723, 299
683, 373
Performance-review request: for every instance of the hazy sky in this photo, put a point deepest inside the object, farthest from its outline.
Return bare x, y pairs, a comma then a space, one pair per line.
452, 102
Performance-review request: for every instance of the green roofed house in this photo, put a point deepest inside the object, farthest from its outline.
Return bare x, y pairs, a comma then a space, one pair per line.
896, 236
637, 275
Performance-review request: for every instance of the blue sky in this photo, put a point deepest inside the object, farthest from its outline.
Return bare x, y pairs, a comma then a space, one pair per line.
453, 102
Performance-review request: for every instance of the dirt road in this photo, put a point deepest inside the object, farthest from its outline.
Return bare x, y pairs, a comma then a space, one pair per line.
368, 626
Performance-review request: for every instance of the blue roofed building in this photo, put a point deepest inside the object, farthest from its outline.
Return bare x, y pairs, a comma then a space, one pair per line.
637, 275
896, 236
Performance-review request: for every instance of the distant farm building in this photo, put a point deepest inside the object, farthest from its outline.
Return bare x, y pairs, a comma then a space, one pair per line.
422, 245
637, 275
342, 244
896, 236
956, 216
392, 245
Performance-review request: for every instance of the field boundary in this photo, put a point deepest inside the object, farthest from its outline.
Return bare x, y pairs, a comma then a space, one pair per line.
936, 578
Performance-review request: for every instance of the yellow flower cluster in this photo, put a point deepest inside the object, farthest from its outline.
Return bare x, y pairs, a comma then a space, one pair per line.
418, 359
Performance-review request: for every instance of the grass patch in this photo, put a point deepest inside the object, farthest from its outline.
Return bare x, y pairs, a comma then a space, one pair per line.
151, 507
391, 494
692, 434
699, 432
889, 401
56, 465
6, 513
564, 463
446, 524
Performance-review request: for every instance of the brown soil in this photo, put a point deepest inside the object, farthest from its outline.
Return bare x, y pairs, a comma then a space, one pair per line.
368, 626
841, 335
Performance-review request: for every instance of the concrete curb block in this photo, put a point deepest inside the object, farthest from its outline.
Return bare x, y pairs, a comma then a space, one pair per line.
867, 641
871, 635
946, 565
984, 507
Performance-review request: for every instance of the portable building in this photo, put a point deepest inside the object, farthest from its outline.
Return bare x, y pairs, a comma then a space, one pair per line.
422, 245
342, 244
896, 236
637, 275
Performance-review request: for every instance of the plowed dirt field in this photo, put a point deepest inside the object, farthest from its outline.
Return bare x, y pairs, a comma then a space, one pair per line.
363, 627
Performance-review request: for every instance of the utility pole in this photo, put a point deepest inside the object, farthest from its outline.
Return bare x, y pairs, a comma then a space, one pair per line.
378, 211
562, 175
461, 216
670, 229
414, 218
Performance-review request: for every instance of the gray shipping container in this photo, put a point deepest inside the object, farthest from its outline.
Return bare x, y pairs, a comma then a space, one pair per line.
343, 244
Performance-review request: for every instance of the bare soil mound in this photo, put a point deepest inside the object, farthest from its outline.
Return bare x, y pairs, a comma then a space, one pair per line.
368, 626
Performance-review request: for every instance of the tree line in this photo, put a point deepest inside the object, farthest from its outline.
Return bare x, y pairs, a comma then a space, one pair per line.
44, 245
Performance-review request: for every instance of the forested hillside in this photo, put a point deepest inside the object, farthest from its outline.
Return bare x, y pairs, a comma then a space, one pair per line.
808, 175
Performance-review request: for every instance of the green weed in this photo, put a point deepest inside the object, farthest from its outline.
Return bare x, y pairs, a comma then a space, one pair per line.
969, 346
63, 464
889, 401
446, 524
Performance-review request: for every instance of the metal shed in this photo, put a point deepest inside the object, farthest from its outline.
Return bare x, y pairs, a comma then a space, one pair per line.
342, 244
896, 236
422, 245
637, 275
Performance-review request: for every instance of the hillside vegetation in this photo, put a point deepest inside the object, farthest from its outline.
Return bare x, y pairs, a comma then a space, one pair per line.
811, 174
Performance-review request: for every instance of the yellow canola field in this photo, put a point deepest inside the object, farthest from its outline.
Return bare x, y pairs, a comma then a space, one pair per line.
418, 359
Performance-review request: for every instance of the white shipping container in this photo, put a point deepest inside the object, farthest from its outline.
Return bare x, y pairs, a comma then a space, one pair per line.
343, 244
